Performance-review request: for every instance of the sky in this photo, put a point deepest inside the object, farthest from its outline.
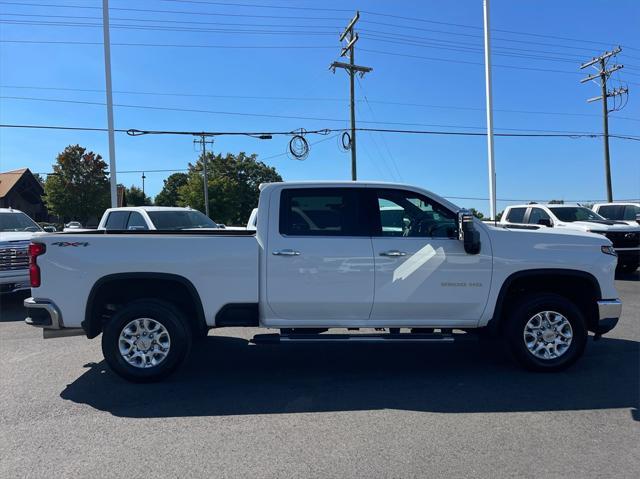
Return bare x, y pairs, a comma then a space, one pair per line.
262, 65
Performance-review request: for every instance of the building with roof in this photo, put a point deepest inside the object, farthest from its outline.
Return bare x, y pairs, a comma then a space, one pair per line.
21, 190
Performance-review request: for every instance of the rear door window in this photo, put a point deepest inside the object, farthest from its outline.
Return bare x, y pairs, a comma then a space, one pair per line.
320, 212
136, 222
611, 212
536, 215
630, 212
516, 215
117, 220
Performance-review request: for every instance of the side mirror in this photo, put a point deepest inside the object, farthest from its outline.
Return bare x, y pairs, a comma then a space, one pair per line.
467, 232
545, 222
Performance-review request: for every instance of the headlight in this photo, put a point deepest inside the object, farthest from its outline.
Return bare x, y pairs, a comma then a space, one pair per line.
608, 250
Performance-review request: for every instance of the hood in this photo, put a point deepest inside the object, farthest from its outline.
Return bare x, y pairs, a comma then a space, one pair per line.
16, 235
600, 225
575, 236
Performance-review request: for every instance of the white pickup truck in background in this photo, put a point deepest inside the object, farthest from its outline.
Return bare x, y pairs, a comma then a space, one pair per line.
16, 231
328, 255
628, 213
135, 218
624, 237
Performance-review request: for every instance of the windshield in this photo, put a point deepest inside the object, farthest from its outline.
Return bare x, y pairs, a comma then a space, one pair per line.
577, 213
630, 212
180, 220
17, 222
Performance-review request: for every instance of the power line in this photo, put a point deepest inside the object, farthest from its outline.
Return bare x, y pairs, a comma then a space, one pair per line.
324, 131
161, 28
468, 62
267, 115
251, 5
182, 22
380, 14
280, 17
386, 37
375, 37
314, 99
475, 27
164, 45
174, 12
603, 74
284, 47
373, 115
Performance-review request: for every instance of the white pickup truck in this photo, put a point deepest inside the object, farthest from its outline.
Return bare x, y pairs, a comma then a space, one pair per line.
624, 237
16, 231
328, 255
154, 218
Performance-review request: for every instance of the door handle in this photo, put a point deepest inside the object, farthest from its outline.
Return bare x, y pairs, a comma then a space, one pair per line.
393, 252
286, 252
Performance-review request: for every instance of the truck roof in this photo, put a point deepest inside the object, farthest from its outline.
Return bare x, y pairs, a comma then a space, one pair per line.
619, 203
9, 210
358, 184
548, 205
150, 208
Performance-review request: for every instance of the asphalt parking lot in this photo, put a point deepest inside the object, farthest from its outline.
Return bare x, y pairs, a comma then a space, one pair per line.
239, 410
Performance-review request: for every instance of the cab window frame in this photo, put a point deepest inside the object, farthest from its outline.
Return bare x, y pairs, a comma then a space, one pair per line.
376, 218
354, 202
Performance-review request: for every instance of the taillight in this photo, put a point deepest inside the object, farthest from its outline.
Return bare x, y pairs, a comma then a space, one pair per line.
35, 250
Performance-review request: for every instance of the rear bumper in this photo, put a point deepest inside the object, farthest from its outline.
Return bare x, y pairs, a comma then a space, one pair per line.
43, 313
609, 312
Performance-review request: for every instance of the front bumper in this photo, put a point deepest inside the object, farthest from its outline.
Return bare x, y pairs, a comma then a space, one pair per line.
628, 255
609, 312
11, 283
44, 314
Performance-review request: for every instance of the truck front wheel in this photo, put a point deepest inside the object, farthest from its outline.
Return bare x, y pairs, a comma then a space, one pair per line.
146, 340
546, 332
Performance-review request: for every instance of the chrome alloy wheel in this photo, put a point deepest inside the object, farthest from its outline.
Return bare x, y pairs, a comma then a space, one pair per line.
548, 335
144, 343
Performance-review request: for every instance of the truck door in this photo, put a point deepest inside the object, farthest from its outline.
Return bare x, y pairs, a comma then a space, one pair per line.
422, 271
319, 256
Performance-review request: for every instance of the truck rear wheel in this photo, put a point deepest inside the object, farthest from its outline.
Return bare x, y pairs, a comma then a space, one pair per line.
146, 340
546, 332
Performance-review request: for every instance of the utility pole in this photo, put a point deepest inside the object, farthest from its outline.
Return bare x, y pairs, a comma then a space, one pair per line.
352, 69
107, 74
487, 71
203, 147
143, 178
603, 73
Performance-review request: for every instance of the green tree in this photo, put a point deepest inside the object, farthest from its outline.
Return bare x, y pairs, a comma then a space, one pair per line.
78, 189
477, 214
135, 197
233, 186
169, 196
556, 202
39, 178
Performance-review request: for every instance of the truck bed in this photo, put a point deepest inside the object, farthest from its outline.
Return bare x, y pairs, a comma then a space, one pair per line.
221, 265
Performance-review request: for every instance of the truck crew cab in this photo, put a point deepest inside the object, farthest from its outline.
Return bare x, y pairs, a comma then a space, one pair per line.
328, 255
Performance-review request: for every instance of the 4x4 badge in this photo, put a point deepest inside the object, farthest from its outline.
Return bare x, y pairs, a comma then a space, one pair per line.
64, 244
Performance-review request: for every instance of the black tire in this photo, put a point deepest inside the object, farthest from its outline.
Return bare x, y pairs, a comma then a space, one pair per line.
525, 309
163, 313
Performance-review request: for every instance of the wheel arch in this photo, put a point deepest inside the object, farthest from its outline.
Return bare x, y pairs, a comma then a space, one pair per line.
112, 291
580, 287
